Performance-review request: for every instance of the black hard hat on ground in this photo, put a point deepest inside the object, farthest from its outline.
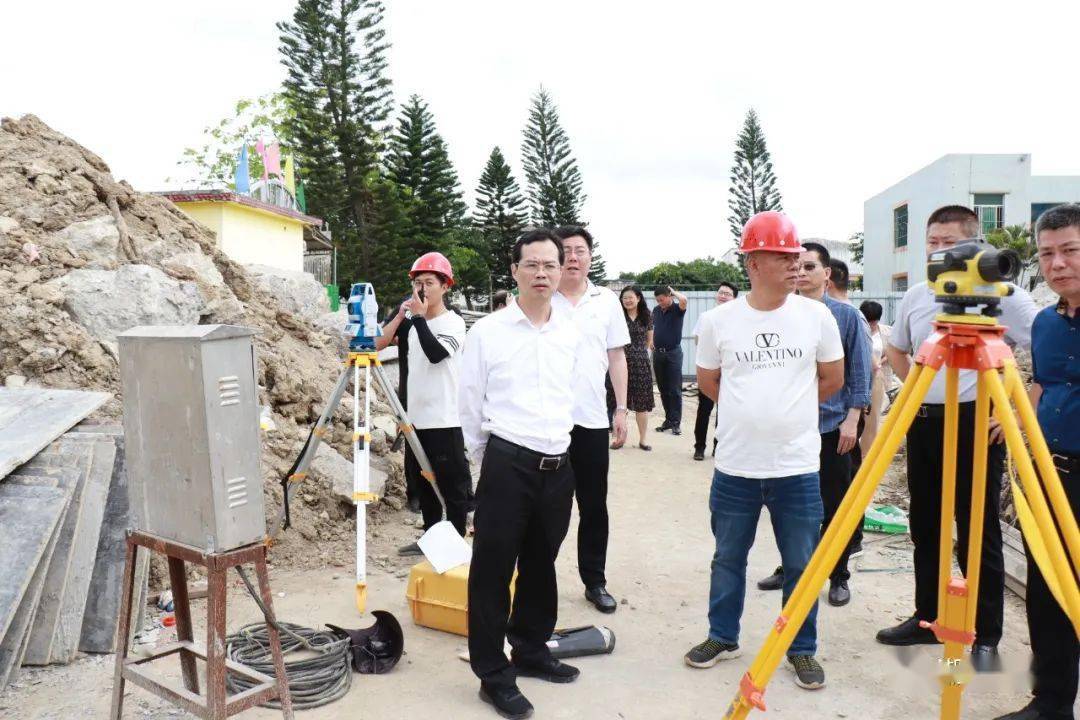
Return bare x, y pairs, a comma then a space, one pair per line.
376, 649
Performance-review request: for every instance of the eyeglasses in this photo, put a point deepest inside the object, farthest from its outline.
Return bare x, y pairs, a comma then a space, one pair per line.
576, 252
532, 267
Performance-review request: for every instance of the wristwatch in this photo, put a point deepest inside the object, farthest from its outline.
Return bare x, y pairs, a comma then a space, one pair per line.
621, 407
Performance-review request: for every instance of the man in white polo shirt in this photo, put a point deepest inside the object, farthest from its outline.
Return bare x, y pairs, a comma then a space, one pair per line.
599, 317
767, 358
517, 410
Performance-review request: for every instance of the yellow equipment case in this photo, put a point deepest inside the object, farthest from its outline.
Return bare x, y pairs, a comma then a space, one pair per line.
440, 602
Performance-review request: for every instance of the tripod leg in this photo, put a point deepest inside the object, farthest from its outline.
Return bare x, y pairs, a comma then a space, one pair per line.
361, 482
1051, 481
1034, 494
948, 484
848, 515
977, 517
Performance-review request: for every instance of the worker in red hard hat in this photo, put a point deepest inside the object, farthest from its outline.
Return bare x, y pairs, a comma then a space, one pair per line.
430, 338
766, 358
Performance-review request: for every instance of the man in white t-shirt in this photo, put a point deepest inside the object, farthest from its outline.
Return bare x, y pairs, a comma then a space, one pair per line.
726, 293
432, 340
767, 358
599, 316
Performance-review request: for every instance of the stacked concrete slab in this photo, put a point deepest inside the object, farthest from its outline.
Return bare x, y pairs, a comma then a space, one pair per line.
65, 504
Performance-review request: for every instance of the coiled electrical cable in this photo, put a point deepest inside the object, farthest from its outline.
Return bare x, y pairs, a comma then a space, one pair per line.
313, 681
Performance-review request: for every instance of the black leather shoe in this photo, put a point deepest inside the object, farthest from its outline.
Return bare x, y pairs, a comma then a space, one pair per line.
907, 633
676, 430
985, 658
507, 701
839, 595
551, 670
699, 454
662, 428
1028, 713
601, 598
773, 582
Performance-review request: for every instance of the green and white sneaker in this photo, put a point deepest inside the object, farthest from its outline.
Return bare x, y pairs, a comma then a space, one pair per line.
808, 672
710, 652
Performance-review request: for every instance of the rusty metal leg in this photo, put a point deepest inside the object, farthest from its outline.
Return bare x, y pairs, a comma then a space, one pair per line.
182, 609
275, 638
215, 642
127, 588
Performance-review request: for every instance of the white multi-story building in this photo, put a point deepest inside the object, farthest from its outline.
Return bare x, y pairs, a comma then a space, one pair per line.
1000, 188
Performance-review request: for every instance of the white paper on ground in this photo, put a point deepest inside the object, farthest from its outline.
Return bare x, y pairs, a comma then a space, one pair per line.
444, 548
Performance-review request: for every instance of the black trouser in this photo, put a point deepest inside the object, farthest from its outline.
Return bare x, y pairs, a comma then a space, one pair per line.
445, 448
856, 463
589, 459
522, 516
1053, 640
667, 364
925, 449
835, 475
701, 425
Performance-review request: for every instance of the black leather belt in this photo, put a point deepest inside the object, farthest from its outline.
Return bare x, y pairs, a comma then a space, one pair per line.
934, 410
1067, 465
543, 462
666, 350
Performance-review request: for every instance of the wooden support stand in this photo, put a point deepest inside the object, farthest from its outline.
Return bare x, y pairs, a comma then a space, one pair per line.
215, 705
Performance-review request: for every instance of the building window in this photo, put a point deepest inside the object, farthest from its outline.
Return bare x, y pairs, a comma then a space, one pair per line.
899, 221
991, 211
1037, 209
899, 282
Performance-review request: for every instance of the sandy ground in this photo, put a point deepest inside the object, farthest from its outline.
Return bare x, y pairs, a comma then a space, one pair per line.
659, 568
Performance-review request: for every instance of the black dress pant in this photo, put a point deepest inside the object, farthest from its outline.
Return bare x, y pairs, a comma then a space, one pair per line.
1053, 640
925, 448
667, 364
445, 448
522, 515
701, 424
589, 459
835, 476
856, 463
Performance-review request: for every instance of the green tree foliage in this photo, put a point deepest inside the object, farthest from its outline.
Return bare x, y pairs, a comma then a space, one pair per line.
500, 216
857, 246
338, 99
418, 161
213, 164
468, 254
555, 187
1019, 239
705, 272
753, 183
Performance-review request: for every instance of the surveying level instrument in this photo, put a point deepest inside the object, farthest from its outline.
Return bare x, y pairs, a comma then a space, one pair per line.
970, 275
362, 329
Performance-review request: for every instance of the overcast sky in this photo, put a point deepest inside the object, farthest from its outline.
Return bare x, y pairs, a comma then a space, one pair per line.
852, 96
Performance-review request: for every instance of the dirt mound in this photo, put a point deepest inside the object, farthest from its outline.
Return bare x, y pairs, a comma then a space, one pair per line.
83, 257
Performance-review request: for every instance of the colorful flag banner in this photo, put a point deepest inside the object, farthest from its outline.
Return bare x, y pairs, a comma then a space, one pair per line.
289, 178
242, 177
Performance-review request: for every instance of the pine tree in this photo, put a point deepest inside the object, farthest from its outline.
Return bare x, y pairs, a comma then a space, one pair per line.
339, 100
500, 216
419, 162
554, 181
753, 184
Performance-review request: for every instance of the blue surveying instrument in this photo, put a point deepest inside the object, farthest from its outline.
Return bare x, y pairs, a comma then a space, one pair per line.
363, 326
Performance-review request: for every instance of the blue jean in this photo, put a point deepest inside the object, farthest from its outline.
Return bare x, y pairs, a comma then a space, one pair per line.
796, 512
668, 368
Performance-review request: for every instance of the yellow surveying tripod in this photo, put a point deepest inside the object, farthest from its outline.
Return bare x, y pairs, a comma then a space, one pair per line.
960, 341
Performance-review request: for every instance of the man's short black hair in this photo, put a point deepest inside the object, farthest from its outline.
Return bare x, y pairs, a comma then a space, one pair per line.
840, 276
535, 236
569, 231
957, 214
661, 290
730, 286
870, 310
1058, 218
822, 252
499, 299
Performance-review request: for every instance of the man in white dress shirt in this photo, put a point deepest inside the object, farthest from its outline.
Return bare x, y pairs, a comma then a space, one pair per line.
599, 316
517, 411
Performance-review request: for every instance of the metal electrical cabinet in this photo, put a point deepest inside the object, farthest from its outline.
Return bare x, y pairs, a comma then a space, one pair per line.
191, 429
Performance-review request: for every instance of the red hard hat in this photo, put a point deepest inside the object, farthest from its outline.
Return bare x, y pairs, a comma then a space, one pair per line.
770, 231
434, 262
